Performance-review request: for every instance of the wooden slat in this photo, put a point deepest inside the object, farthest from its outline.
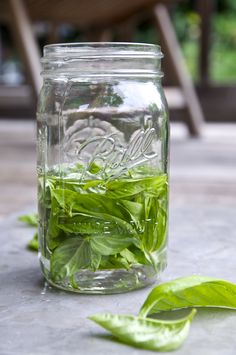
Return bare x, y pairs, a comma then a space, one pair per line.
205, 9
24, 37
173, 51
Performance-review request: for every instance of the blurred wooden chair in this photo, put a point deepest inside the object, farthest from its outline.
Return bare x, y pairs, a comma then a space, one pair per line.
97, 18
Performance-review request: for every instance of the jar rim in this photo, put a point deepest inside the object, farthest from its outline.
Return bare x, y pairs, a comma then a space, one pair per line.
102, 49
85, 59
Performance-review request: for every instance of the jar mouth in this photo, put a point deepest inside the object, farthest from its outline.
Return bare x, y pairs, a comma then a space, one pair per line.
106, 57
102, 49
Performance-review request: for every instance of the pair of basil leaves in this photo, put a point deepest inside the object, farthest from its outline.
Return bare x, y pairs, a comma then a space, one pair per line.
149, 333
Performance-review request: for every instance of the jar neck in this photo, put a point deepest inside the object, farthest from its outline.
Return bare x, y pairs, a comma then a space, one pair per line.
99, 59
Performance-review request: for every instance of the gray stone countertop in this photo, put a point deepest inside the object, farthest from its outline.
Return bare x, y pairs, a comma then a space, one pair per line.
36, 319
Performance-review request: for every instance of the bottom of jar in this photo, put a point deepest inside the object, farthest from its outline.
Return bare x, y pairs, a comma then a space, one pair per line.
107, 281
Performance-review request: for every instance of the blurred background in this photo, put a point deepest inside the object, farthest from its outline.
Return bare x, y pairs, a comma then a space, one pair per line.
205, 30
198, 38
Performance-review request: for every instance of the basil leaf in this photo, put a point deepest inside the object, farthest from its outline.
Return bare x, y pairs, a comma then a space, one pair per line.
146, 333
33, 243
161, 227
113, 262
71, 256
109, 244
134, 212
129, 256
94, 168
134, 256
31, 219
83, 224
92, 205
54, 234
72, 201
95, 260
117, 189
192, 291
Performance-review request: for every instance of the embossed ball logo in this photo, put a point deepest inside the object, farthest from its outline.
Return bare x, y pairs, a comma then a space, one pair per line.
105, 146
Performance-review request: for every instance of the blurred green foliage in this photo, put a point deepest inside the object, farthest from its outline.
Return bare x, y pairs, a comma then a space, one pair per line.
223, 52
223, 38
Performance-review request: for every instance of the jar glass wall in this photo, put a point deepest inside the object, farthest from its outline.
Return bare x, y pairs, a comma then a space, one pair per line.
102, 167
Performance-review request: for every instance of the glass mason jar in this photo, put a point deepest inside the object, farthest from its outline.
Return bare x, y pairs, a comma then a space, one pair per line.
102, 166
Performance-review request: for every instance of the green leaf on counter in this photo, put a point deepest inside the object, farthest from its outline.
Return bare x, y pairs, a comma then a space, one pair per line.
33, 243
30, 219
166, 335
193, 291
146, 333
